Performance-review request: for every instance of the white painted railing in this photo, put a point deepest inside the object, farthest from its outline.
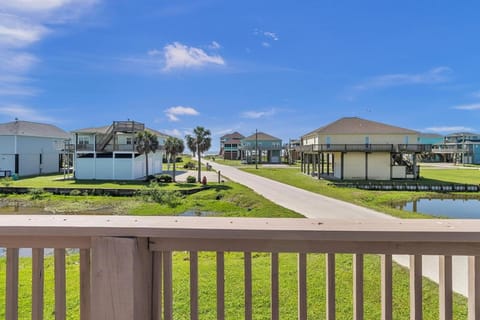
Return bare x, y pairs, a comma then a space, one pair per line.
126, 269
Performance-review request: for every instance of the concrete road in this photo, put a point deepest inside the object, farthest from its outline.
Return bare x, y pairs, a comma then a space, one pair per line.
313, 205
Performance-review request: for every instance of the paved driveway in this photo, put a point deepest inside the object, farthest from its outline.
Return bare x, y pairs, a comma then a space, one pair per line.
313, 205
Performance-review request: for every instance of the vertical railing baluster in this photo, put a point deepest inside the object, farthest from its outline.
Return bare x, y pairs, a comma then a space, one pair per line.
473, 288
302, 286
60, 285
37, 283
157, 285
248, 284
274, 287
193, 285
85, 276
358, 286
220, 285
386, 265
167, 286
416, 287
11, 299
330, 286
445, 287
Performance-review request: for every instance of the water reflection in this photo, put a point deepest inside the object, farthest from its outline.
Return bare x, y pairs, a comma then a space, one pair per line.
451, 208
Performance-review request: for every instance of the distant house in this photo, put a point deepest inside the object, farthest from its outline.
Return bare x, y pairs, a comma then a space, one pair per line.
460, 147
261, 147
229, 146
359, 149
109, 153
30, 148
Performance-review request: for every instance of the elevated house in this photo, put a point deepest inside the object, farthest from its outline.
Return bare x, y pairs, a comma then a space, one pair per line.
31, 148
261, 147
110, 152
460, 147
230, 146
357, 149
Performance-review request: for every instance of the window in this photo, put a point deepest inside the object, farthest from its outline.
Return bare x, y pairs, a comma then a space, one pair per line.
83, 140
128, 140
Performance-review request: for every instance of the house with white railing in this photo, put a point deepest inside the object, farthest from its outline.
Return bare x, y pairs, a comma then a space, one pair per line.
357, 149
110, 152
31, 148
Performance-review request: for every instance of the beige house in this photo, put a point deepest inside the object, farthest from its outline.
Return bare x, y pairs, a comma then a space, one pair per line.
357, 149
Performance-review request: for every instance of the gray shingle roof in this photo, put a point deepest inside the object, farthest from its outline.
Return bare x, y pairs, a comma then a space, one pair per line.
261, 136
32, 129
354, 125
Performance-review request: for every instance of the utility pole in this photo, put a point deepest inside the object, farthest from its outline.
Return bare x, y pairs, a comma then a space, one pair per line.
256, 149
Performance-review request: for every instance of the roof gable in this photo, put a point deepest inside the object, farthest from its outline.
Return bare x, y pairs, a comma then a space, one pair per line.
234, 135
355, 125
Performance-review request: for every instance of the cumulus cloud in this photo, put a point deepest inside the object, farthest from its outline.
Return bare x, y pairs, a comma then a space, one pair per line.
258, 114
24, 113
474, 106
180, 56
173, 113
448, 129
432, 76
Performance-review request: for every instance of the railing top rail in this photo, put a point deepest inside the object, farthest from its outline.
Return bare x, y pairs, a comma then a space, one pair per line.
391, 230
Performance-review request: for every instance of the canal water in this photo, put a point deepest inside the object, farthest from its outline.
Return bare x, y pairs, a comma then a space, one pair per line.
444, 208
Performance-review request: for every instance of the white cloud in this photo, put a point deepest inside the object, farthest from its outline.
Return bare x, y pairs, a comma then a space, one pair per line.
271, 35
474, 106
432, 76
173, 132
180, 56
24, 113
258, 114
447, 129
266, 44
16, 33
173, 113
214, 45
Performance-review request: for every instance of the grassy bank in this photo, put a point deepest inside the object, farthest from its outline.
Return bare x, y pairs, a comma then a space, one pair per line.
377, 200
226, 199
234, 289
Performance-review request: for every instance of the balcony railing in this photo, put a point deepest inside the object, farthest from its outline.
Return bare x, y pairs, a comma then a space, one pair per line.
126, 269
364, 148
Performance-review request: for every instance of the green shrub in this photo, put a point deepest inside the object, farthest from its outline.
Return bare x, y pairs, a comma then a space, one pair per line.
164, 178
191, 179
75, 192
189, 165
154, 193
37, 193
6, 181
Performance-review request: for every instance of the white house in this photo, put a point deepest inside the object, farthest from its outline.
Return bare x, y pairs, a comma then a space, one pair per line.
30, 148
109, 153
357, 149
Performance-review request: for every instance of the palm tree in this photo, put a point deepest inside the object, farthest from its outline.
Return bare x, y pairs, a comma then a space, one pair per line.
202, 141
191, 144
173, 147
146, 142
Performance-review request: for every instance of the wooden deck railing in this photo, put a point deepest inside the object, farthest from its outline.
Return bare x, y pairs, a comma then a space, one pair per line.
126, 269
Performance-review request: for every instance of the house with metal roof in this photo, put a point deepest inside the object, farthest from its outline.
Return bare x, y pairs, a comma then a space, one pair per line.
31, 148
230, 146
358, 149
110, 152
261, 148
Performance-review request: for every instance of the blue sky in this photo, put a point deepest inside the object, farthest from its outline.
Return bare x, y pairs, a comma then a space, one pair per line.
282, 67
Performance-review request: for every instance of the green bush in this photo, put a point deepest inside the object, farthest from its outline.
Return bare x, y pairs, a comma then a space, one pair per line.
191, 179
154, 193
189, 165
6, 181
75, 192
164, 178
37, 193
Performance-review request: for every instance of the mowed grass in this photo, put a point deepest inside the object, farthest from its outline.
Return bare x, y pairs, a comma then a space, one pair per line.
382, 201
234, 287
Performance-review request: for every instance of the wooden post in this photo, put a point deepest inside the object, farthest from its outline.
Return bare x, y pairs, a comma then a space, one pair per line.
121, 278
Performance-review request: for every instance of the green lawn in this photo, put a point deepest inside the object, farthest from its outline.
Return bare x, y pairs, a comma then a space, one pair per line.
460, 175
234, 289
